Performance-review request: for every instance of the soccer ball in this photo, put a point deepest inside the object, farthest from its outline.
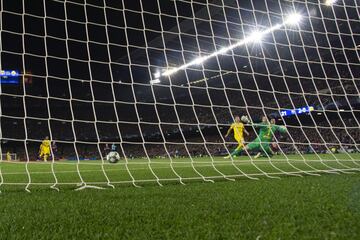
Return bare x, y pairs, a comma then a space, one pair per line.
334, 150
113, 157
245, 119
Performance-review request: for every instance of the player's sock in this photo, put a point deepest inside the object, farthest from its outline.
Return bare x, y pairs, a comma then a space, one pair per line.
232, 154
257, 155
236, 152
268, 152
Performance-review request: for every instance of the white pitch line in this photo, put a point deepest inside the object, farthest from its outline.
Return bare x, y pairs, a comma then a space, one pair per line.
202, 164
185, 178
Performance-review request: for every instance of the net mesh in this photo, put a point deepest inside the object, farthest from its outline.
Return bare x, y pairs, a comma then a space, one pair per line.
163, 81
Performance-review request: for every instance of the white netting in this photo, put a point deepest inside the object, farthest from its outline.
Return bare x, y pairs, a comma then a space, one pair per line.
163, 81
9, 157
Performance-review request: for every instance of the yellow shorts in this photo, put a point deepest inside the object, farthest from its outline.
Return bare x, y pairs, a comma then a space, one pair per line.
45, 151
240, 140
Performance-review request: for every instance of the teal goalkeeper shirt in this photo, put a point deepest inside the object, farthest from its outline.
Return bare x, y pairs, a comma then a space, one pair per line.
267, 131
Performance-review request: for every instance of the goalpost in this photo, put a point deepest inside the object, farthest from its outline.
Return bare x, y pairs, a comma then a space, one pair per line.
164, 80
9, 157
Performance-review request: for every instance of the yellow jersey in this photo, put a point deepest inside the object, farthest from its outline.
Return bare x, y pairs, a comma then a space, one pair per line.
8, 156
238, 130
46, 143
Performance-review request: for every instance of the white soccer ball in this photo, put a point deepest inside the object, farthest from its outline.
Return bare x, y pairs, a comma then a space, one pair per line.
245, 119
113, 157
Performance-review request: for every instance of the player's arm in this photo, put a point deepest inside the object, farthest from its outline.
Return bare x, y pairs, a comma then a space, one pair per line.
281, 129
41, 148
257, 125
229, 130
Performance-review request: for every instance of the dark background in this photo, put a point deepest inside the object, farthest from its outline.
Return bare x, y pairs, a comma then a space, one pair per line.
88, 64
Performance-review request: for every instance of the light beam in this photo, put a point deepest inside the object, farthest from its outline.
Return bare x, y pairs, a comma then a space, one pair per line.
292, 19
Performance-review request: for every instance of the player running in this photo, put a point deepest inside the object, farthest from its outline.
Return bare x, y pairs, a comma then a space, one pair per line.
239, 130
45, 149
264, 139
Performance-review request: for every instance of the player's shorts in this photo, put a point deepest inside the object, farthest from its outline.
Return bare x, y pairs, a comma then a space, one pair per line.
240, 141
45, 151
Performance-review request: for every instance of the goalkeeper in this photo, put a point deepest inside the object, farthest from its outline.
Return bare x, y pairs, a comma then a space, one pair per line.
239, 130
263, 141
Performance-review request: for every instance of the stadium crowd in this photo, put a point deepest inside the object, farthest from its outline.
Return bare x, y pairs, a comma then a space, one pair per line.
195, 121
319, 139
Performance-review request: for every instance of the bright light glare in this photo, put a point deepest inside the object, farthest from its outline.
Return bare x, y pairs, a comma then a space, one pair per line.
170, 71
293, 19
330, 2
256, 37
157, 74
223, 50
199, 60
155, 81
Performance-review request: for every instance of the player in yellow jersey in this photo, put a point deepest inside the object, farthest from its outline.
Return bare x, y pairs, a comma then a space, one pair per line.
45, 149
239, 130
8, 156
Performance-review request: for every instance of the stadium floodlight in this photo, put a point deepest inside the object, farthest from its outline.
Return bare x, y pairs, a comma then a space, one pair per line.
330, 2
155, 81
224, 50
199, 60
254, 37
293, 19
170, 71
157, 74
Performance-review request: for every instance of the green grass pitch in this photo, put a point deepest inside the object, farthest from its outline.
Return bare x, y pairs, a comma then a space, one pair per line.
290, 202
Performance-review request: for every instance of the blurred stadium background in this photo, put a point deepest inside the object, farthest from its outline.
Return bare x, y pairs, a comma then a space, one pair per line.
85, 75
137, 74
87, 69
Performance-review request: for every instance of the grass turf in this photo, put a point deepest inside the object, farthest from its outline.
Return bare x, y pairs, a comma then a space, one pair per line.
326, 207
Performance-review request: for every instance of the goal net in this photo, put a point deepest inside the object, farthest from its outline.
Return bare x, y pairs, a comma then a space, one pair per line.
161, 82
9, 157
